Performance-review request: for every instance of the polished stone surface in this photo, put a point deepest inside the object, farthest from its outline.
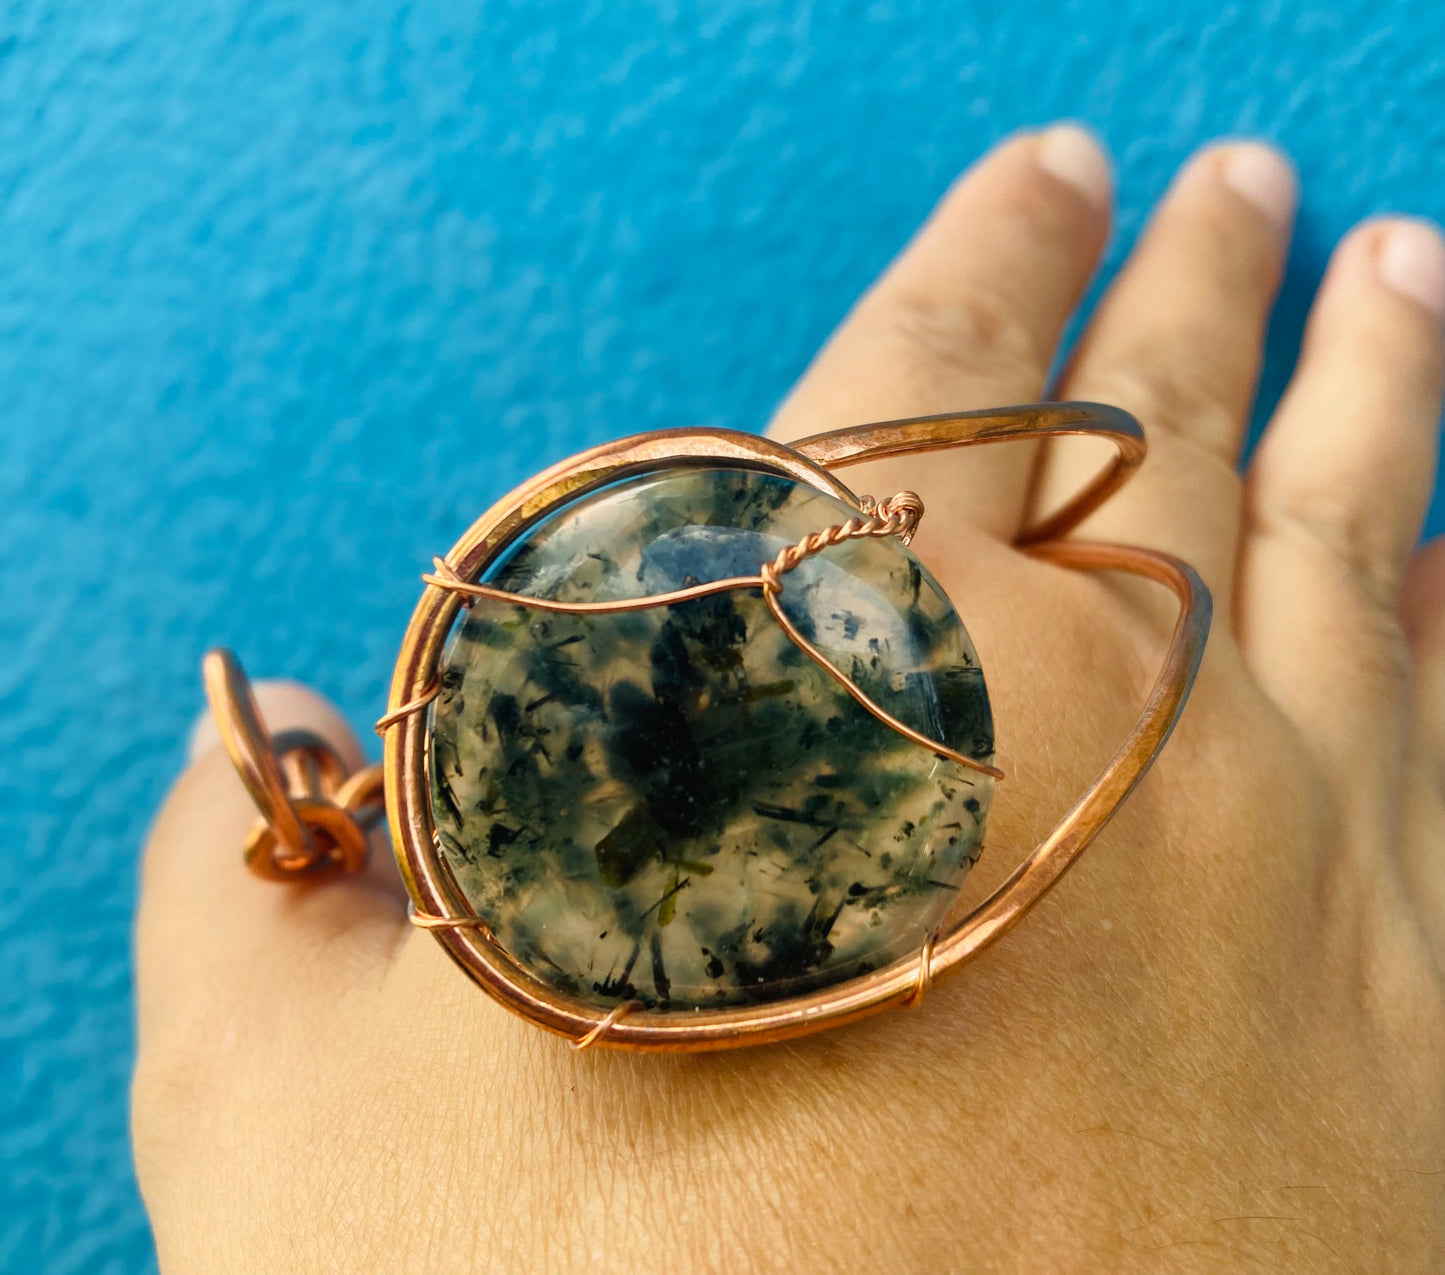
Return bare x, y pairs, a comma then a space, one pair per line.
677, 804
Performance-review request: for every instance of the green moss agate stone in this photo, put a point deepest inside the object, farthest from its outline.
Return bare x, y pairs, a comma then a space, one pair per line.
676, 804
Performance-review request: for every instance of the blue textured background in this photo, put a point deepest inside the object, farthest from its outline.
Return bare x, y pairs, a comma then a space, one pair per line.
295, 290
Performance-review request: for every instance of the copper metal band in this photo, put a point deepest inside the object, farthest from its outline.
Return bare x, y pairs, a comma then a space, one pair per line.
883, 439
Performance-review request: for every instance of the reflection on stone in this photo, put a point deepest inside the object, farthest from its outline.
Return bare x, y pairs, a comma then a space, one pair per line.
677, 804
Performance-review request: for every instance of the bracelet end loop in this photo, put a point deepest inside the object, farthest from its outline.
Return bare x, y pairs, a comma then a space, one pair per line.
313, 816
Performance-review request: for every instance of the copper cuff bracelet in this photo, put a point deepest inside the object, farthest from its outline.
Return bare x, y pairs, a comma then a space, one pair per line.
685, 749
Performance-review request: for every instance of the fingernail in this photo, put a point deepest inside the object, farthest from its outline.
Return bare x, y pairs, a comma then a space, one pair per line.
1265, 178
1412, 262
1074, 155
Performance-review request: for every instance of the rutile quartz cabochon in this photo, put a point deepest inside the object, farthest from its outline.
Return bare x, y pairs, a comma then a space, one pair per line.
679, 806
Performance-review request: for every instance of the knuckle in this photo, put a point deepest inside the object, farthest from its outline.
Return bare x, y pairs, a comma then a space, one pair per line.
1386, 661
186, 1074
1178, 397
1371, 643
977, 335
1330, 523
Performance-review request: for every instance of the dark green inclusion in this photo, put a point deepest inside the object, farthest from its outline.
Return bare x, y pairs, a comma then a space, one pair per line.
677, 805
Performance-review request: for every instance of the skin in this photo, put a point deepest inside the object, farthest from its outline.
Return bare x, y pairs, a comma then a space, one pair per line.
1218, 1045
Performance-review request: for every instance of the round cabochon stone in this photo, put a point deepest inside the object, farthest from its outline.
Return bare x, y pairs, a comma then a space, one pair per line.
677, 805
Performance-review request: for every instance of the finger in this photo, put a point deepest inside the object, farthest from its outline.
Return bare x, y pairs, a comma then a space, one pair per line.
1422, 610
1177, 341
1422, 605
1338, 489
209, 934
968, 317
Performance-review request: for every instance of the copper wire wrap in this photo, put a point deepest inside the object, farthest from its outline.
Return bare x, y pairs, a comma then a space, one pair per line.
450, 578
383, 724
924, 979
896, 516
613, 1016
432, 921
310, 812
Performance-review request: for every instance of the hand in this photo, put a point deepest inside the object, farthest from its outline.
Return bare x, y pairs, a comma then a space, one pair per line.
1219, 1045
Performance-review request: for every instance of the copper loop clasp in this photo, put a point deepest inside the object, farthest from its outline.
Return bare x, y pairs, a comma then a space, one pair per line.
314, 816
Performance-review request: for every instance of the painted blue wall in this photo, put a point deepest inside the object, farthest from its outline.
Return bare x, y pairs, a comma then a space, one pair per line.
293, 290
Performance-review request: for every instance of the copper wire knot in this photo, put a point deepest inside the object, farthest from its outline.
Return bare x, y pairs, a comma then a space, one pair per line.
900, 512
